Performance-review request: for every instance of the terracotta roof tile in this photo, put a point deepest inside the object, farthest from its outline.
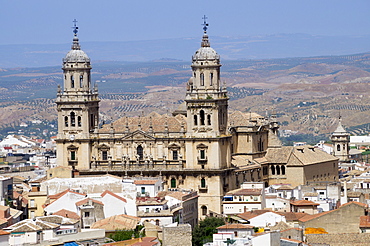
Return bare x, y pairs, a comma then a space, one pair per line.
117, 222
114, 195
79, 203
304, 203
67, 214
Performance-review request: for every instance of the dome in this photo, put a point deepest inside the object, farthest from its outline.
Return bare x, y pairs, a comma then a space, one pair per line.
206, 53
76, 56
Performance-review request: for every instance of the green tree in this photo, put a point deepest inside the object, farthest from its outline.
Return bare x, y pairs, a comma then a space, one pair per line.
121, 235
203, 232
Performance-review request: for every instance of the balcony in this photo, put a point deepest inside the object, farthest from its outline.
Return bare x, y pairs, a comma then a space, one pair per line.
203, 188
72, 162
202, 161
134, 165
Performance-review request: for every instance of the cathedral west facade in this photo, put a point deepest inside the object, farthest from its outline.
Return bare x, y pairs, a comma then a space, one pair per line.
203, 147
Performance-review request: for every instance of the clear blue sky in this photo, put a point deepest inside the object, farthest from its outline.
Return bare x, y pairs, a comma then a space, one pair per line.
50, 21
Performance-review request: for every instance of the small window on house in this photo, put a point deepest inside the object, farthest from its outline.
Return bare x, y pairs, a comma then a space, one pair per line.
204, 210
73, 155
195, 120
278, 170
283, 170
104, 154
87, 214
173, 183
211, 79
272, 169
142, 190
202, 153
81, 80
203, 183
338, 147
79, 124
209, 120
140, 152
175, 155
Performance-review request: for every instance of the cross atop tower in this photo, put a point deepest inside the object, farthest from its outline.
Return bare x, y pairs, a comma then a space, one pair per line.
75, 27
205, 24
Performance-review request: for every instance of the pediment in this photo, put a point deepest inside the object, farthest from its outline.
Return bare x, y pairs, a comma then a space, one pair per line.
139, 135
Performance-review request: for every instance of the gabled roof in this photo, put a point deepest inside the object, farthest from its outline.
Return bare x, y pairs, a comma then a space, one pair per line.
60, 194
314, 216
291, 216
245, 192
84, 201
298, 155
67, 214
117, 222
114, 195
304, 203
251, 214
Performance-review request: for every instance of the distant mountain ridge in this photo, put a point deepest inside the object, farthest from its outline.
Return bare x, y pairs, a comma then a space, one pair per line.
230, 48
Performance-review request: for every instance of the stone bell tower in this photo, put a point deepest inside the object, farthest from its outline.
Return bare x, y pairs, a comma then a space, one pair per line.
340, 139
78, 108
206, 98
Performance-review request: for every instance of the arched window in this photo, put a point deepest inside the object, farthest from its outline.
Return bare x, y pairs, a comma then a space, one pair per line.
283, 170
66, 121
203, 183
272, 169
72, 82
338, 147
211, 79
209, 120
173, 183
201, 79
195, 120
202, 116
79, 121
278, 170
204, 210
81, 80
73, 119
157, 222
140, 152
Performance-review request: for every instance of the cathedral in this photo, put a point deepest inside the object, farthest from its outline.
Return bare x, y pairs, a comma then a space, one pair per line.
202, 147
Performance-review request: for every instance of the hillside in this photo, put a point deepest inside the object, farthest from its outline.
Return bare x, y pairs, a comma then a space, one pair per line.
307, 93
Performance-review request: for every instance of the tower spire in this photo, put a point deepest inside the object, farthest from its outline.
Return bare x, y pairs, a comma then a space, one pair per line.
76, 44
205, 41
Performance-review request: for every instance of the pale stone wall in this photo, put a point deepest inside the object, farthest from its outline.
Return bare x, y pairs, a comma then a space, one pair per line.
343, 220
177, 235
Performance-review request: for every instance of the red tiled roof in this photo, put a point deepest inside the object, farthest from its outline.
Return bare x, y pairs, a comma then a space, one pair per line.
304, 203
114, 195
2, 232
291, 240
60, 194
145, 182
79, 203
354, 202
67, 214
245, 192
235, 226
291, 216
251, 214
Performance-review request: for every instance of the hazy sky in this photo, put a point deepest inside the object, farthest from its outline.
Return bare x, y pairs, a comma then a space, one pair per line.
50, 21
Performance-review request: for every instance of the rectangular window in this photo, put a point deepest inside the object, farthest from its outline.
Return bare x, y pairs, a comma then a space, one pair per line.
105, 155
175, 155
142, 190
87, 214
73, 155
202, 153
